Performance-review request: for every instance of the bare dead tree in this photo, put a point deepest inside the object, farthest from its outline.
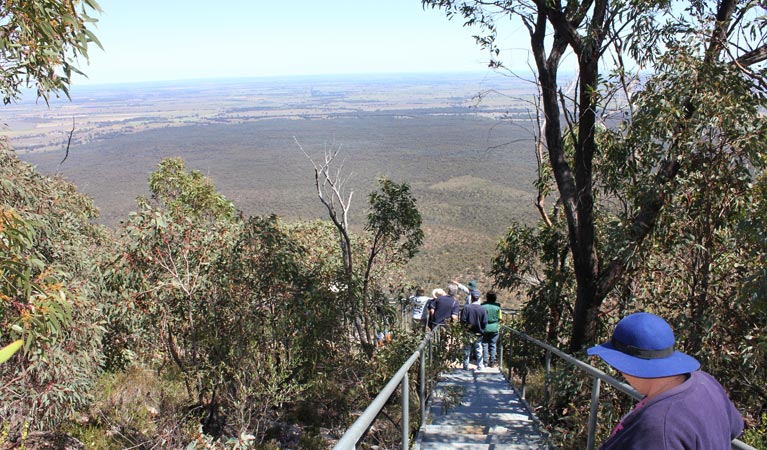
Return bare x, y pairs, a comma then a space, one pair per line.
330, 184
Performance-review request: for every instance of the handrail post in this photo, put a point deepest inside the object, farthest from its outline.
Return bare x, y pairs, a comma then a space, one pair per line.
525, 351
593, 414
431, 355
500, 349
405, 412
511, 357
422, 391
546, 382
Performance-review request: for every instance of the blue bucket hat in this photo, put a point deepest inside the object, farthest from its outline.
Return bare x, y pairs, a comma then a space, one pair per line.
643, 346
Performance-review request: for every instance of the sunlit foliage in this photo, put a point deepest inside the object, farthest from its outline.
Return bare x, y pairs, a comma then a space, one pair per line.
40, 43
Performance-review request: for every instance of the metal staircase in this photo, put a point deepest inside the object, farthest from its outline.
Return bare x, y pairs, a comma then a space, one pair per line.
478, 410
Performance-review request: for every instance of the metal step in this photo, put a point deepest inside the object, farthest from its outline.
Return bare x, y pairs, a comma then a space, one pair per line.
478, 410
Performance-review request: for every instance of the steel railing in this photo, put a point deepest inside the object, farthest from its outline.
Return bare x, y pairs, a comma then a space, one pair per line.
598, 377
400, 379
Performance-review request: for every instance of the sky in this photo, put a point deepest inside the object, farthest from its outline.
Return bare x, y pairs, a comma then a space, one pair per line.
151, 40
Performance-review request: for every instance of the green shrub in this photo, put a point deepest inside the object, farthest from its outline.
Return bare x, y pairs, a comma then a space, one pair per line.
757, 436
50, 259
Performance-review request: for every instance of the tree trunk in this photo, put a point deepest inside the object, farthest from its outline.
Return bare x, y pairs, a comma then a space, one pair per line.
575, 189
586, 261
359, 327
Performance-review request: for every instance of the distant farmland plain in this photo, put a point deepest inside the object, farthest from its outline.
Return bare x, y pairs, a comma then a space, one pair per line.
464, 142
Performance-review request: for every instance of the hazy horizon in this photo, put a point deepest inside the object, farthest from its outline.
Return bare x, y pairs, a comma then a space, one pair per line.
29, 95
146, 40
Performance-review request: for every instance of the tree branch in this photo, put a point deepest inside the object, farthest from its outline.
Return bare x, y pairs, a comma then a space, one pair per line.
752, 57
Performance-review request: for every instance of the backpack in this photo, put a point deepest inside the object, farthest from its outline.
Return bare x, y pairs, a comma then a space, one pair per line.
425, 312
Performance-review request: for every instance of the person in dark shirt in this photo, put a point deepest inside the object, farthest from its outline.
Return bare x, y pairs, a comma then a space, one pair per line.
474, 317
682, 408
444, 308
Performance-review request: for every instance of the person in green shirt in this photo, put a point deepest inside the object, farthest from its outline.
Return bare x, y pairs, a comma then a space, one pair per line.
490, 336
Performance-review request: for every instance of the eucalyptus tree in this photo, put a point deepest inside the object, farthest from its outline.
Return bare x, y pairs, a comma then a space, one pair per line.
172, 247
40, 43
52, 296
394, 224
698, 66
224, 301
50, 252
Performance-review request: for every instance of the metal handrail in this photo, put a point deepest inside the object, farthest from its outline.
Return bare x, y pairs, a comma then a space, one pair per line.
400, 379
597, 375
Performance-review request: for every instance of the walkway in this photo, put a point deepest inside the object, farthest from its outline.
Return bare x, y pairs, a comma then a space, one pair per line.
473, 410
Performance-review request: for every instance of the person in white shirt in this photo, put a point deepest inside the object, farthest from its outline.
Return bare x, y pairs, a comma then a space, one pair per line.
418, 303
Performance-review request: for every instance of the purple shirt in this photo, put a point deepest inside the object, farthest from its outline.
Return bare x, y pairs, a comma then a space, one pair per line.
696, 415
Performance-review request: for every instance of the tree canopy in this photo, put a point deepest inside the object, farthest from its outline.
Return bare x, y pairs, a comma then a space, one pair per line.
40, 43
696, 69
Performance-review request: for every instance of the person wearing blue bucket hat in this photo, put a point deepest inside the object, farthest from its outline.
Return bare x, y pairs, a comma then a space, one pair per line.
683, 407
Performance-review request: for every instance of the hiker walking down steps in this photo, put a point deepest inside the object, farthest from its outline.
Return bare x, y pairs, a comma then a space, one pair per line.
419, 303
490, 336
474, 318
444, 308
